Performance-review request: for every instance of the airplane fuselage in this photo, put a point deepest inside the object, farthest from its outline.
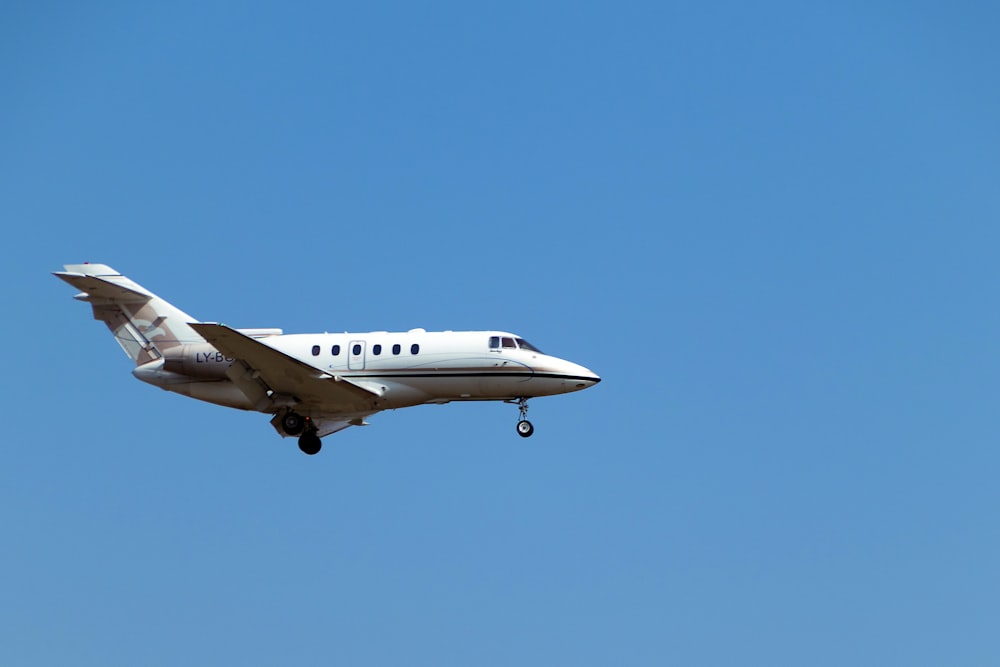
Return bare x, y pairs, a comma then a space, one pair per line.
402, 369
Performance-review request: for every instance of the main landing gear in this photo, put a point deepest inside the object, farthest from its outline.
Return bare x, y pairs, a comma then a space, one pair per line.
524, 427
310, 443
293, 424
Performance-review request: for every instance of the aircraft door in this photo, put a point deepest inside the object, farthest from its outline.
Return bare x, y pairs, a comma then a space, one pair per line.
356, 355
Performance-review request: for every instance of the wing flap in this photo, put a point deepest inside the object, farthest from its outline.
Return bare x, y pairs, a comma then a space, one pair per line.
286, 375
324, 425
327, 426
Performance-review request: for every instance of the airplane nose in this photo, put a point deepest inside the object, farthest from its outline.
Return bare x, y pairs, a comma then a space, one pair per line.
585, 377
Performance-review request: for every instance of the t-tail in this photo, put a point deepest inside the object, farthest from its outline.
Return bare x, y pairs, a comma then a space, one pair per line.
144, 325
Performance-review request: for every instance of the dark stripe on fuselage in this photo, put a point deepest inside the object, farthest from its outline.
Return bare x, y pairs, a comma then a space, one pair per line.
446, 374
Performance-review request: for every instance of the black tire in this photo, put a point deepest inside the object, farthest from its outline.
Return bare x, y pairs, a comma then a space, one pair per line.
310, 444
525, 429
292, 423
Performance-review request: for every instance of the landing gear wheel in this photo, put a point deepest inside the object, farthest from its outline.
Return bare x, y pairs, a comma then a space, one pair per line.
310, 444
524, 427
292, 423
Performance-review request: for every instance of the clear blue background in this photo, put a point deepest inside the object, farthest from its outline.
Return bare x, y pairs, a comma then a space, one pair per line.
770, 227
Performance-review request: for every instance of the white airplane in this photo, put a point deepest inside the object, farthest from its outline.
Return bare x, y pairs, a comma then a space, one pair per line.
317, 384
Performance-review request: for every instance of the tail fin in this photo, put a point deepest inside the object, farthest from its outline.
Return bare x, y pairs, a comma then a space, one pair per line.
143, 324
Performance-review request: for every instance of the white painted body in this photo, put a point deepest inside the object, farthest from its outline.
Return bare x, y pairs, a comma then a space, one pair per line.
450, 366
264, 370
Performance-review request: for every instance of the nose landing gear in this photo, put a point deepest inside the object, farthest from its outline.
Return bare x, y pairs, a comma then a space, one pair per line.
524, 427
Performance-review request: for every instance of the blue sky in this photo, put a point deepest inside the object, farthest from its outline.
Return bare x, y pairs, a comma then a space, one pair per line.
771, 229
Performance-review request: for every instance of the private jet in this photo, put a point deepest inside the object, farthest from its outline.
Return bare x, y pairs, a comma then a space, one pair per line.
318, 384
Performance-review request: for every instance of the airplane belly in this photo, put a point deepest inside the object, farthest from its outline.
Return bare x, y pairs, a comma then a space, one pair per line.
401, 395
219, 392
506, 381
450, 386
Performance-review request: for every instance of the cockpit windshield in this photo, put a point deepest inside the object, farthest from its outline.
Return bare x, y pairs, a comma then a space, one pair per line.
525, 345
499, 342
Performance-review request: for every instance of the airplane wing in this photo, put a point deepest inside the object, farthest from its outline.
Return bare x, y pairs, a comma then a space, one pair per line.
308, 387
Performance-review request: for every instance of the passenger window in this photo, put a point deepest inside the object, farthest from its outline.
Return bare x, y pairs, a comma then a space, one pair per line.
376, 350
356, 350
396, 348
315, 350
494, 342
509, 343
335, 351
414, 349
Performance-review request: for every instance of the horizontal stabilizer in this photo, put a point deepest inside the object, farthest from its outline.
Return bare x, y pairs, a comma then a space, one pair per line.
97, 288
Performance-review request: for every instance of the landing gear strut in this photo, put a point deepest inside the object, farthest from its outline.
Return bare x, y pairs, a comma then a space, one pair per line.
524, 427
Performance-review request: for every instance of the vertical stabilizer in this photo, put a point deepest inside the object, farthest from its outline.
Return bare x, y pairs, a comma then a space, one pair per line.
143, 324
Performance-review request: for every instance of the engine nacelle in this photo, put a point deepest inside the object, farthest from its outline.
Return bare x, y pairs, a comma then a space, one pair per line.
197, 360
